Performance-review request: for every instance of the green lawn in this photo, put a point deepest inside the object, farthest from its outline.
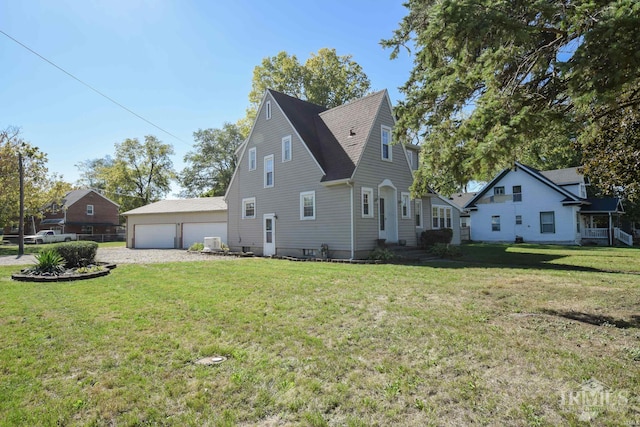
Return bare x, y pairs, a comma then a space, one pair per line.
486, 340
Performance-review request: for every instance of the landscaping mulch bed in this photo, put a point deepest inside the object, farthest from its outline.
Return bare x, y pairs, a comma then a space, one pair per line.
68, 276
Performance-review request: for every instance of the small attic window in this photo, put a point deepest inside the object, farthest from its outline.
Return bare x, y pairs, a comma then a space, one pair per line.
267, 108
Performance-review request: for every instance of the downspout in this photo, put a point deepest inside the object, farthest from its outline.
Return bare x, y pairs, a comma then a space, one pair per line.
350, 184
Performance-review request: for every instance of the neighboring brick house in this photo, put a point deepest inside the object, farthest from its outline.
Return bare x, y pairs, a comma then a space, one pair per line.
83, 212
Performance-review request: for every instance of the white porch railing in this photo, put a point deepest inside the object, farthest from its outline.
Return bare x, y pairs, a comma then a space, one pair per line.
595, 233
625, 238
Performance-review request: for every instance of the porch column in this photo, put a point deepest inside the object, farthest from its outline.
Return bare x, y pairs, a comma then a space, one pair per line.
610, 230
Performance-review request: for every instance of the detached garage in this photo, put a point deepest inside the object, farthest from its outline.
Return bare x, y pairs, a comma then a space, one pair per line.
176, 223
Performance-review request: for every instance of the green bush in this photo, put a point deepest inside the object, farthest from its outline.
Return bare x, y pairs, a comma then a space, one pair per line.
77, 254
197, 247
381, 254
48, 261
429, 238
445, 250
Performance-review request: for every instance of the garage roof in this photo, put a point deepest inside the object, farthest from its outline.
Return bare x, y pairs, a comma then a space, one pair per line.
201, 204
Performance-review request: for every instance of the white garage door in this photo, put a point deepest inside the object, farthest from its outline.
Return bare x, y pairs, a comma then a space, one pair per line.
155, 236
196, 232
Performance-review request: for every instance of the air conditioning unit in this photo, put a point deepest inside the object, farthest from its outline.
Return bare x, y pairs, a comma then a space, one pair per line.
212, 244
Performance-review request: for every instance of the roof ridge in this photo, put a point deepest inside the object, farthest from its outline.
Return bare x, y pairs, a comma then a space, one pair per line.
354, 101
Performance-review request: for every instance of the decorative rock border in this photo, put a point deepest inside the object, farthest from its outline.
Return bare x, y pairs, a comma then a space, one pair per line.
65, 277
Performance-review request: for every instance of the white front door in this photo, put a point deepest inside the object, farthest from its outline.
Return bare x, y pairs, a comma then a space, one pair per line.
269, 237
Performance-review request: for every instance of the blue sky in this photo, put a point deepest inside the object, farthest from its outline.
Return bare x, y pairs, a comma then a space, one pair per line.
183, 65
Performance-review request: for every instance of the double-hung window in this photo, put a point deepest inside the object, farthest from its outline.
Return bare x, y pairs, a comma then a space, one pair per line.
517, 193
268, 171
441, 217
249, 208
547, 222
387, 152
252, 159
495, 223
308, 205
286, 148
418, 213
367, 202
89, 209
405, 203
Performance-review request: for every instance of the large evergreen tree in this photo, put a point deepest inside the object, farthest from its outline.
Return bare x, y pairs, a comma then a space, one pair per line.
501, 80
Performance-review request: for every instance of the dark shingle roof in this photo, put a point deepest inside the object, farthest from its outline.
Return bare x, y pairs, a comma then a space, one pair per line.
74, 195
461, 199
604, 204
335, 137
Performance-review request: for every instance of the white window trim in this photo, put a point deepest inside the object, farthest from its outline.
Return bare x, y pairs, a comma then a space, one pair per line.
552, 223
267, 107
384, 129
405, 198
284, 141
273, 173
369, 192
244, 207
442, 216
253, 155
302, 196
497, 223
90, 210
418, 203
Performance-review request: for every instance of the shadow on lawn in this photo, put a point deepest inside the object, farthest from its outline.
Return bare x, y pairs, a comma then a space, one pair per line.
498, 256
596, 319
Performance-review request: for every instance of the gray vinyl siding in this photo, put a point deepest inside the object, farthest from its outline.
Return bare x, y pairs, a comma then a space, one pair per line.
371, 172
301, 174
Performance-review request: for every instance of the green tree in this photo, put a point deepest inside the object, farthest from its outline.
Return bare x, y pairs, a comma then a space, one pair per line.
617, 137
211, 164
92, 172
325, 78
501, 80
40, 187
138, 174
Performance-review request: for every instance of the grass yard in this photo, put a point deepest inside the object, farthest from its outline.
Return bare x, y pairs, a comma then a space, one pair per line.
500, 338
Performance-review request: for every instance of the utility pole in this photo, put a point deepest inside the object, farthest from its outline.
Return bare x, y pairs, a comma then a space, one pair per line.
21, 223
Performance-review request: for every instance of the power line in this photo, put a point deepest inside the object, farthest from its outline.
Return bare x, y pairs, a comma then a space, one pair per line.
92, 88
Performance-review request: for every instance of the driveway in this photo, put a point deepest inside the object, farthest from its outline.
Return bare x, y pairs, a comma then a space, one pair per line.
129, 256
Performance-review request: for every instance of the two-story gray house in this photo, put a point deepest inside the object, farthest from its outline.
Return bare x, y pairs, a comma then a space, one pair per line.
311, 179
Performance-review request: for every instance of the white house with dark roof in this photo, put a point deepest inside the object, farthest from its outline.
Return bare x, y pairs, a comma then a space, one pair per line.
176, 223
311, 179
524, 204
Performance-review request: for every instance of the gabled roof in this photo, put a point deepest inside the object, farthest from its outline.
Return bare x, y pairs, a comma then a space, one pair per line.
74, 196
461, 199
335, 137
570, 198
202, 204
565, 176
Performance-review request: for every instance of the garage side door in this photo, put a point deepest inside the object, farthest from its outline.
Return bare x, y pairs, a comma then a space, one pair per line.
196, 232
155, 236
